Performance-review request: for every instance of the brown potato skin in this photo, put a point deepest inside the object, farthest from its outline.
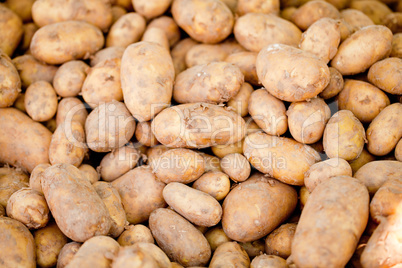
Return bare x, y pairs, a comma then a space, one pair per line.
10, 81
11, 30
398, 151
154, 153
107, 54
335, 85
245, 60
12, 180
214, 183
157, 36
155, 252
135, 234
144, 135
117, 12
82, 215
364, 158
375, 10
67, 253
151, 9
223, 150
136, 258
396, 46
268, 261
81, 39
24, 142
22, 8
169, 26
236, 166
355, 19
204, 54
183, 243
386, 201
29, 30
386, 75
126, 30
257, 6
89, 173
40, 101
316, 227
69, 78
216, 237
149, 197
279, 242
179, 52
71, 109
230, 254
17, 246
248, 210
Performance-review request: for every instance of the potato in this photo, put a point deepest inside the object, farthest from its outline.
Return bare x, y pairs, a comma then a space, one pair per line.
169, 26
70, 77
41, 101
230, 254
2, 211
157, 36
304, 194
181, 126
11, 30
355, 19
29, 30
344, 136
206, 21
19, 102
216, 237
49, 242
352, 58
21, 8
291, 74
154, 153
268, 112
148, 92
316, 225
383, 133
397, 46
256, 207
83, 214
17, 246
24, 142
231, 46
144, 135
335, 85
398, 151
322, 171
307, 120
257, 6
214, 183
67, 253
205, 53
117, 12
80, 40
134, 257
89, 173
375, 10
97, 251
135, 234
279, 242
126, 30
51, 124
109, 126
386, 201
179, 52
183, 243
236, 166
363, 159
223, 150
254, 248
127, 4
268, 261
386, 75
10, 81
155, 252
107, 54
254, 31
29, 207
151, 9
71, 109
11, 180
245, 60
211, 163
95, 12
312, 11
148, 195
282, 158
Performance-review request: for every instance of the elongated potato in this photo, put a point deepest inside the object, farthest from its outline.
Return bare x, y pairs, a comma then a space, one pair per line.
223, 150
11, 30
230, 254
169, 26
69, 78
149, 91
71, 109
257, 6
154, 153
245, 60
135, 234
126, 30
236, 166
214, 183
335, 84
40, 101
67, 253
268, 261
80, 216
386, 75
10, 81
316, 225
80, 40
282, 158
198, 125
157, 36
178, 238
279, 242
24, 143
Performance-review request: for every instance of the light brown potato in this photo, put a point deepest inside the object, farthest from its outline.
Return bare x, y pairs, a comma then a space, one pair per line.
107, 54
253, 248
307, 120
151, 9
216, 237
82, 215
41, 101
322, 171
49, 242
89, 173
268, 112
335, 84
69, 78
282, 158
386, 201
36, 177
51, 124
179, 52
212, 163
279, 242
352, 58
214, 82
355, 19
363, 159
157, 36
364, 100
109, 126
291, 74
230, 254
127, 4
223, 150
383, 133
231, 46
67, 253
374, 174
80, 40
245, 60
316, 225
117, 12
11, 30
398, 151
396, 46
268, 261
204, 54
169, 26
257, 6
149, 197
387, 75
135, 257
126, 30
17, 246
180, 126
304, 194
71, 109
29, 31
196, 206
155, 252
96, 12
236, 166
22, 8
156, 79
135, 234
24, 142
249, 212
10, 81
19, 102
2, 211
344, 136
183, 243
312, 11
254, 31
375, 10
154, 153
206, 21
144, 135
214, 183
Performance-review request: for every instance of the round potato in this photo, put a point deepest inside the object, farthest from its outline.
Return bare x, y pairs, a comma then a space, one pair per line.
136, 258
335, 84
169, 26
394, 22
36, 177
363, 159
135, 234
89, 173
71, 109
375, 10
12, 180
236, 166
216, 237
41, 101
144, 135
11, 30
179, 52
155, 252
253, 248
204, 54
386, 201
355, 19
117, 12
151, 9
107, 54
387, 75
230, 254
245, 60
69, 78
10, 81
19, 102
127, 30
279, 242
214, 183
223, 150
67, 253
268, 261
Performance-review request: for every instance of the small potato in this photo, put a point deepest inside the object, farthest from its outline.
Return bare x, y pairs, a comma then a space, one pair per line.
387, 75
69, 78
179, 52
304, 194
49, 242
22, 8
107, 54
384, 132
157, 36
148, 195
375, 10
151, 9
257, 6
135, 234
344, 136
216, 237
19, 102
386, 201
80, 40
268, 261
214, 183
396, 46
211, 163
214, 82
29, 31
11, 180
17, 246
291, 74
41, 101
322, 171
117, 12
11, 30
254, 31
363, 159
155, 252
183, 243
231, 46
29, 207
134, 257
169, 26
364, 100
355, 19
223, 150
253, 248
279, 242
126, 30
10, 82
71, 109
230, 254
352, 58
204, 54
335, 84
398, 151
154, 153
236, 166
67, 253
307, 120
316, 224
249, 212
206, 21
89, 173
268, 112
144, 135
2, 211
246, 62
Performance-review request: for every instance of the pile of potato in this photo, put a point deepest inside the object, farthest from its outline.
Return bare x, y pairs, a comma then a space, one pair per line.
201, 133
